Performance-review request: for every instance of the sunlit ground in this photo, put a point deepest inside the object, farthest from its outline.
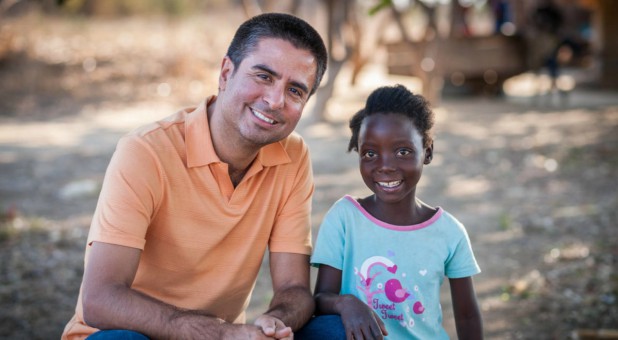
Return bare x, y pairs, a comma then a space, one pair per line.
534, 183
531, 84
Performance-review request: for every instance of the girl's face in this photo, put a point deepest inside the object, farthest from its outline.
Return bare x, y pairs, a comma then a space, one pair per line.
391, 156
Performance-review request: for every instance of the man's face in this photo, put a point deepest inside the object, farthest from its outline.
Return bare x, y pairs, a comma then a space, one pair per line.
262, 99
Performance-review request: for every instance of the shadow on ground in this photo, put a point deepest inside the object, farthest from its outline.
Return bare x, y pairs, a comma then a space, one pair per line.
533, 182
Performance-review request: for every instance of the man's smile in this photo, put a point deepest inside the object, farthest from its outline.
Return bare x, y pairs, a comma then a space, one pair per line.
262, 117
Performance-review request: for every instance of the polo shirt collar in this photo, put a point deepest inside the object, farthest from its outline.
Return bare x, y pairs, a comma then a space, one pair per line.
200, 149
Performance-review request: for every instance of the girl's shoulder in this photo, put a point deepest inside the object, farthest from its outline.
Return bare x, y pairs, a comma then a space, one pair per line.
344, 204
349, 200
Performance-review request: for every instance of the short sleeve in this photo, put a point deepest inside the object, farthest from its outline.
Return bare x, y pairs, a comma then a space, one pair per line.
462, 262
292, 230
130, 195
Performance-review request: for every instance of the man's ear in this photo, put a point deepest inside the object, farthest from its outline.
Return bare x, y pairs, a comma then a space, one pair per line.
428, 154
227, 68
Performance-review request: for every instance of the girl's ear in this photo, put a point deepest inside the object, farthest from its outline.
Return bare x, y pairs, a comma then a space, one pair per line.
428, 154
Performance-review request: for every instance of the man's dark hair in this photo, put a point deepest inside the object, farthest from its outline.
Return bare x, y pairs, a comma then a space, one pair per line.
281, 26
396, 100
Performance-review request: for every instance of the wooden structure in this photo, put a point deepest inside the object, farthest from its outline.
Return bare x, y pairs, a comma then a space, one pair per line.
486, 61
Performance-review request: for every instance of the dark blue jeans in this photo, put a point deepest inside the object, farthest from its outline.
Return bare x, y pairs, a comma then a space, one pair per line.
322, 327
117, 334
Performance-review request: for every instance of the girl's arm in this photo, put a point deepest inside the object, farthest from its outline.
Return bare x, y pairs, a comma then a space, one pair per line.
359, 320
467, 314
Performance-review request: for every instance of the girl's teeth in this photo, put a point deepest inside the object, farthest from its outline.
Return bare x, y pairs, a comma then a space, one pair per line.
390, 184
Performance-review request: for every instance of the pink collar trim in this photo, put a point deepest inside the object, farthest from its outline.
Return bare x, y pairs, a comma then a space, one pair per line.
383, 224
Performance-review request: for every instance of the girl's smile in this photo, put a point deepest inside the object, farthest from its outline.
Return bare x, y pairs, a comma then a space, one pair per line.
391, 153
391, 162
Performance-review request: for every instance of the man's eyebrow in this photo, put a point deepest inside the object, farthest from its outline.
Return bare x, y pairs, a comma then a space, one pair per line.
275, 74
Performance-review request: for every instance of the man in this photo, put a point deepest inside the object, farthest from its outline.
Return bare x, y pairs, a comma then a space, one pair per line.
190, 203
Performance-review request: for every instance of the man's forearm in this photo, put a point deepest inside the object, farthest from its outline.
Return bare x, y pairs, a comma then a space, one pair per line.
294, 306
124, 308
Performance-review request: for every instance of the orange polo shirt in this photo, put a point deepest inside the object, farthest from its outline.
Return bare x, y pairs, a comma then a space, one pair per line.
167, 192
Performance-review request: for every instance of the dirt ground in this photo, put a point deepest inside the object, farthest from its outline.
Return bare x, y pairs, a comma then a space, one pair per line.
534, 181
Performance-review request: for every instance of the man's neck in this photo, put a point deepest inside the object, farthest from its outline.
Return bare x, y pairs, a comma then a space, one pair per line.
237, 155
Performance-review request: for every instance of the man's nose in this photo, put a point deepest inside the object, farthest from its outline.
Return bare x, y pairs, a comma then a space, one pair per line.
275, 97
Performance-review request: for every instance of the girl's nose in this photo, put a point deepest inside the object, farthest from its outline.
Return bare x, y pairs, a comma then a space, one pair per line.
386, 163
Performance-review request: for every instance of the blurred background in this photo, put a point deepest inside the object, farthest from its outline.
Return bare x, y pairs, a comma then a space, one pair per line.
526, 97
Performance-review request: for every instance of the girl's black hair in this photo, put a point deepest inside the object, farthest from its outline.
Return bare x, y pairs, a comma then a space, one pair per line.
398, 100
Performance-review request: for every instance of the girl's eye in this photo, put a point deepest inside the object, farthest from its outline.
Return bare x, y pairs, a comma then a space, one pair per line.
403, 152
368, 154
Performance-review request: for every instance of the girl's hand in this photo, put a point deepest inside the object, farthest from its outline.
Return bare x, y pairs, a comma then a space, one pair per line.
359, 320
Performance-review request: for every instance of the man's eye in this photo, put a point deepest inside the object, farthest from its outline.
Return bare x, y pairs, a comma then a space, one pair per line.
296, 92
263, 76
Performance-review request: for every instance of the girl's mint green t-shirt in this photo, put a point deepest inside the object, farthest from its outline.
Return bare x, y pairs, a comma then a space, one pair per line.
396, 270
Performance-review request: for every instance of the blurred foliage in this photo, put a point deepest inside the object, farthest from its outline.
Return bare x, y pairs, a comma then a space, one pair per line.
114, 8
379, 6
505, 221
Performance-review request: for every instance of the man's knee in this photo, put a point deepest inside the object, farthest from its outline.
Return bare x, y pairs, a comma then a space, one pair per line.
322, 327
117, 334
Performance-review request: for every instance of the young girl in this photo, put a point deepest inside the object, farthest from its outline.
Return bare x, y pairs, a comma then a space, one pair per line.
382, 258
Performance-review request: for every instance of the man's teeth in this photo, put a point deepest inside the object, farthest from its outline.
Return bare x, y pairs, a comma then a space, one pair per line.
262, 117
389, 184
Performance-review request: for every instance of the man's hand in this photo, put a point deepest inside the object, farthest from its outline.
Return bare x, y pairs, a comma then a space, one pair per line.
243, 331
274, 327
110, 303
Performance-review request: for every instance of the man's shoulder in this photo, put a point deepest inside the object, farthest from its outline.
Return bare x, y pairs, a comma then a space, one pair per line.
171, 127
157, 138
175, 119
291, 151
294, 142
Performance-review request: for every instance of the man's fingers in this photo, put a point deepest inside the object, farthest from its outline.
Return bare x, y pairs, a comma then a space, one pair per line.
273, 327
284, 333
267, 324
269, 330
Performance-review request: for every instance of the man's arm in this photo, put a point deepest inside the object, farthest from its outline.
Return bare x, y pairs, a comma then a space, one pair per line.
292, 303
110, 303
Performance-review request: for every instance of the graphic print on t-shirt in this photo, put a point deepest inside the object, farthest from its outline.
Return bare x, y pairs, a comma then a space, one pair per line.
387, 290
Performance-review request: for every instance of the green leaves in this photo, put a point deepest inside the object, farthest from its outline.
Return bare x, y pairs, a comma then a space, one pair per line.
379, 6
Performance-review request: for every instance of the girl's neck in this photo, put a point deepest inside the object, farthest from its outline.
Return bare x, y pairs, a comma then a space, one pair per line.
403, 213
